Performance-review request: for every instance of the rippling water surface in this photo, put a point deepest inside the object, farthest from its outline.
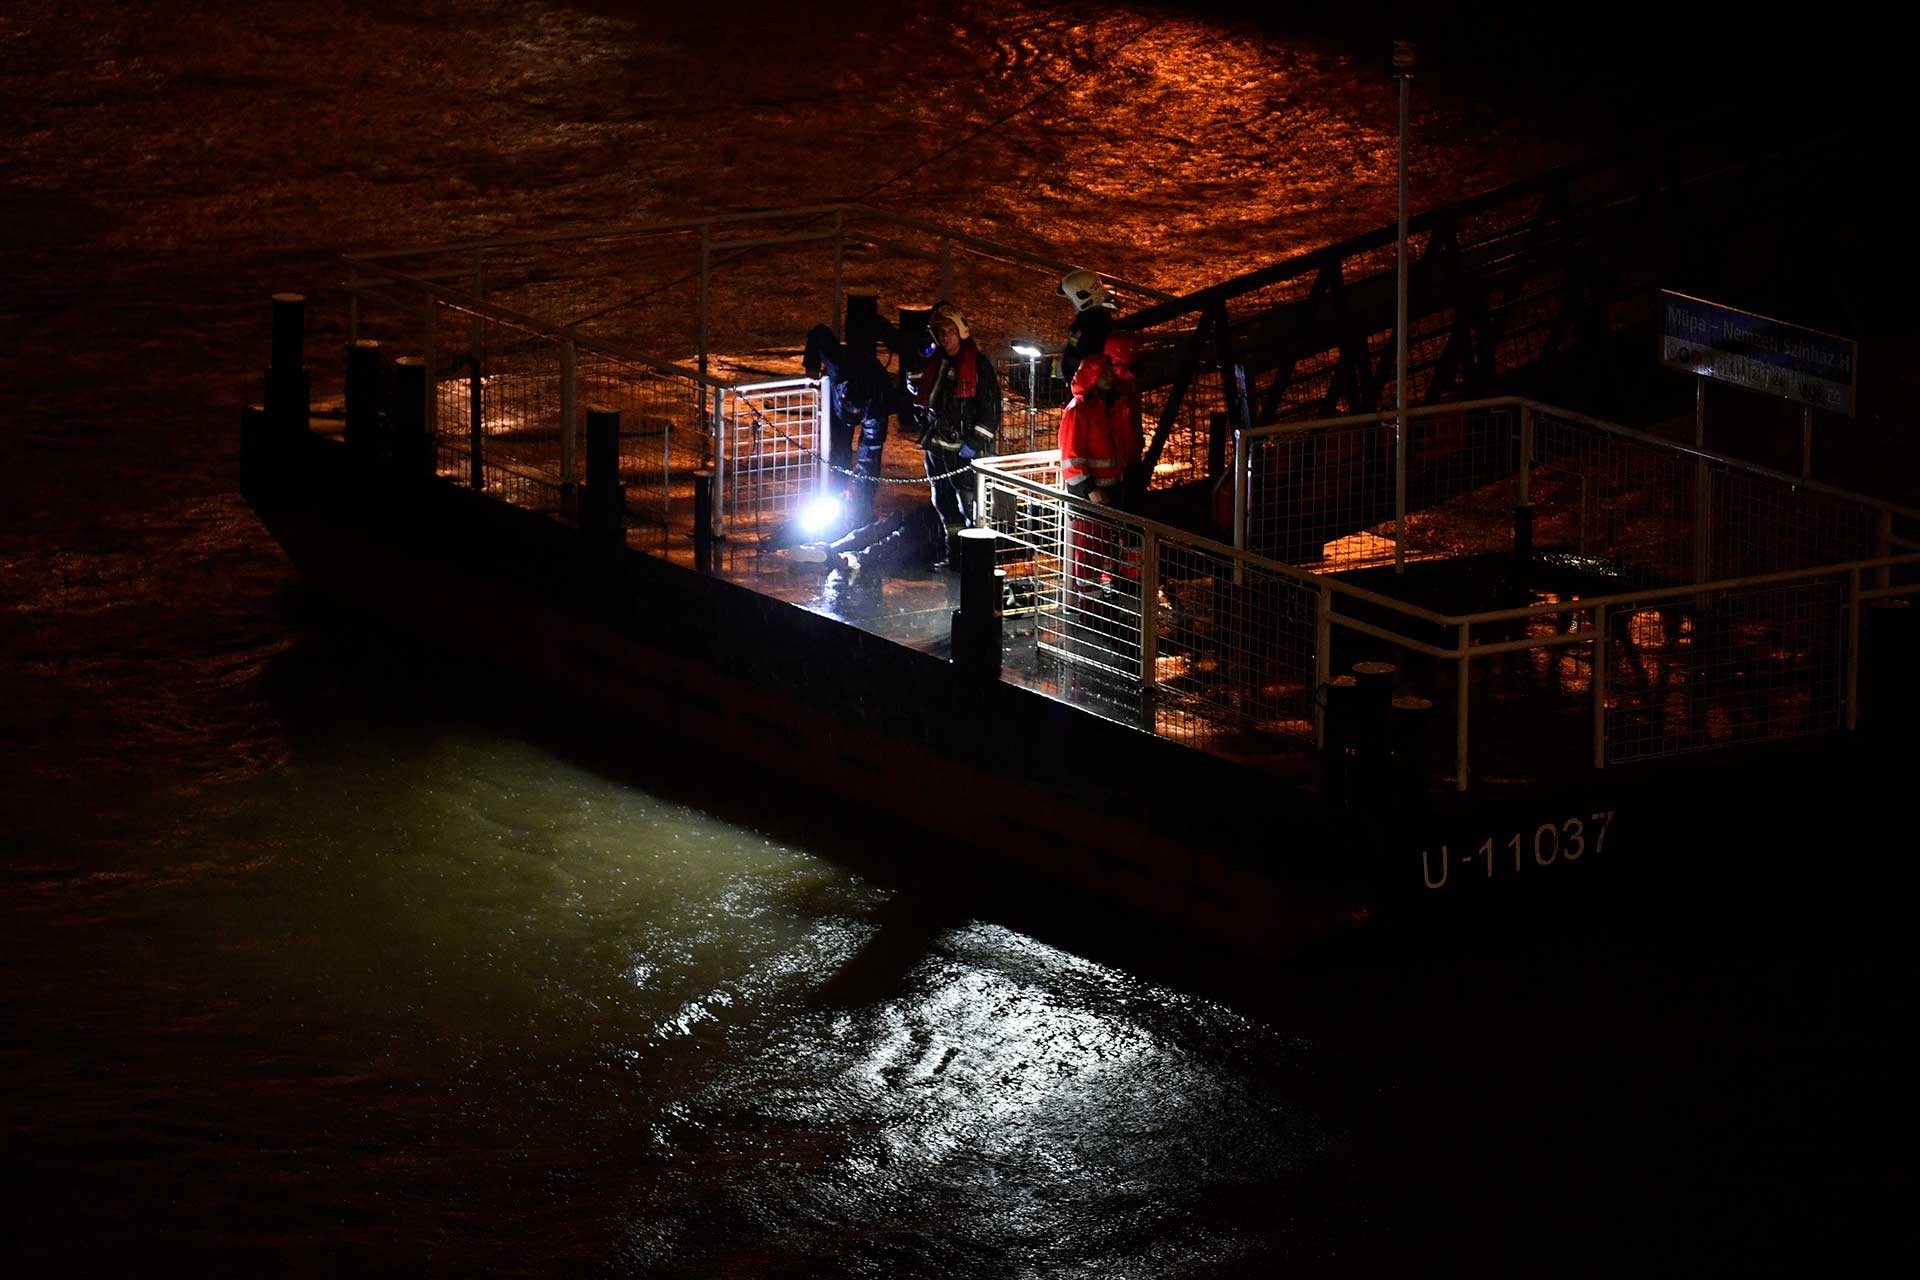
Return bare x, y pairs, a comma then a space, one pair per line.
315, 960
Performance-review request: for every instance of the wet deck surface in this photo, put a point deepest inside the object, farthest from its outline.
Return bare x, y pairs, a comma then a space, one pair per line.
915, 607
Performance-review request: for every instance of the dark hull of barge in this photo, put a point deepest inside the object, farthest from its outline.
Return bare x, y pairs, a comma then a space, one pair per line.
970, 779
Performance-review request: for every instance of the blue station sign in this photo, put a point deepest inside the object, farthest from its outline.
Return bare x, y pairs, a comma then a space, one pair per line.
1761, 354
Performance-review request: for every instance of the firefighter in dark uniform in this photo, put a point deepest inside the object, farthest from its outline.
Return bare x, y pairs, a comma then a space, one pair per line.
956, 399
862, 400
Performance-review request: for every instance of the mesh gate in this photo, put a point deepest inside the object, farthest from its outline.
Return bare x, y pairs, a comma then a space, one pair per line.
771, 454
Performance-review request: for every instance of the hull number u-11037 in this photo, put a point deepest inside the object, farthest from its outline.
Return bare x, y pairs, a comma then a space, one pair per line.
1568, 840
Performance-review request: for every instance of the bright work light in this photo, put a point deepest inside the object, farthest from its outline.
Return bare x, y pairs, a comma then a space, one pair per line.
1028, 350
819, 515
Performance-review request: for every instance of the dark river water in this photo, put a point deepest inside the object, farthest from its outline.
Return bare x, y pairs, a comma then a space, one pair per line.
319, 958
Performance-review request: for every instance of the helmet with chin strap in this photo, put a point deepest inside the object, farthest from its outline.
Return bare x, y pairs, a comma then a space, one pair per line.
947, 312
1085, 290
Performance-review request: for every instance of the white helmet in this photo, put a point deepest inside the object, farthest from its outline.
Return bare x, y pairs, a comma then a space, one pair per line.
1086, 289
944, 310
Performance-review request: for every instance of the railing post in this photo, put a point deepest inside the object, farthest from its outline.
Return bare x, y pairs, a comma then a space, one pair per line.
1600, 687
1702, 485
476, 381
476, 418
1149, 606
1403, 72
706, 272
1461, 676
1240, 472
717, 441
1523, 505
823, 434
1322, 657
1033, 402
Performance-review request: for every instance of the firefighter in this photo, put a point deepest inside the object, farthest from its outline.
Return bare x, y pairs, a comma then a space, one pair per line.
1099, 447
1100, 427
956, 399
862, 400
1093, 305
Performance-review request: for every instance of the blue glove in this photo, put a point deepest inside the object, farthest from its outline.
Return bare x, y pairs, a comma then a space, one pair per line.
967, 454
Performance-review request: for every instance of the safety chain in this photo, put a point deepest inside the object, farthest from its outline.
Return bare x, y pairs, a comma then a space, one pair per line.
813, 453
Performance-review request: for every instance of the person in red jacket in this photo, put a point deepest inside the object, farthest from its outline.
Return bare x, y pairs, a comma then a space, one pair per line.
1100, 427
1099, 443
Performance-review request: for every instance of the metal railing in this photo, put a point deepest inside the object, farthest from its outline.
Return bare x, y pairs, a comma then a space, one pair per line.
524, 333
1231, 642
1222, 641
1321, 494
507, 394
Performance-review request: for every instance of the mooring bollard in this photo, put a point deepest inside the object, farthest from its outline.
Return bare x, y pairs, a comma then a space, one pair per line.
1410, 720
604, 516
976, 624
1340, 699
1520, 581
413, 454
1374, 699
289, 388
363, 403
1373, 702
255, 444
1888, 678
703, 521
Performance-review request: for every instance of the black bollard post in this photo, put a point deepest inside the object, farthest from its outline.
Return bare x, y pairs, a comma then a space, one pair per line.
1340, 733
1411, 721
976, 624
1373, 700
1888, 678
703, 521
604, 516
363, 403
1520, 582
289, 388
255, 447
413, 454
